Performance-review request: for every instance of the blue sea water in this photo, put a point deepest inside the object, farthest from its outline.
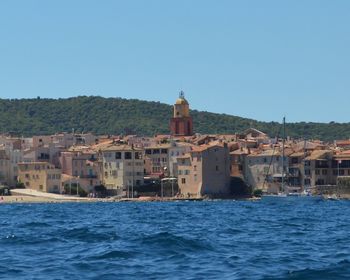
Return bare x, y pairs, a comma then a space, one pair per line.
270, 239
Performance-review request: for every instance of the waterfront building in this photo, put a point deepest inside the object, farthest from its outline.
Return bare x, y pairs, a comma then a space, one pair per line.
65, 139
318, 169
121, 168
296, 171
177, 149
4, 167
181, 124
263, 169
237, 160
205, 171
10, 155
157, 160
40, 176
80, 165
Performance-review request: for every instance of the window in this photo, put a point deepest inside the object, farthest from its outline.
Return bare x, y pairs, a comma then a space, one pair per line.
148, 152
118, 155
216, 168
138, 155
183, 181
320, 182
307, 172
317, 172
163, 151
324, 172
155, 151
127, 155
180, 172
195, 167
195, 177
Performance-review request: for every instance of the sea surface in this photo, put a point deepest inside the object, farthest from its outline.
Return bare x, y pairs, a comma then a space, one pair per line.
270, 239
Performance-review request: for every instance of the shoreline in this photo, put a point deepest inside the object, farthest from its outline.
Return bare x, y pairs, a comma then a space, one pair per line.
41, 199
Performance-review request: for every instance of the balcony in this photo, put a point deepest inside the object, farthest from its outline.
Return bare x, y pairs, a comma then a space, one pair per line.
88, 176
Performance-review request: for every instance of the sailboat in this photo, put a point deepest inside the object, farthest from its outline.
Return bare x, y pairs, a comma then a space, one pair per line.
282, 191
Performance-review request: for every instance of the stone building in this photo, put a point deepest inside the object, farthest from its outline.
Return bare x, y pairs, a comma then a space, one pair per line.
205, 171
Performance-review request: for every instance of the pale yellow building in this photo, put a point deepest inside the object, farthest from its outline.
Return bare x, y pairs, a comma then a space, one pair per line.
122, 168
40, 176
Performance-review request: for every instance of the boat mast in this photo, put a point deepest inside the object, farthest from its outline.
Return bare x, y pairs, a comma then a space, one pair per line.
283, 139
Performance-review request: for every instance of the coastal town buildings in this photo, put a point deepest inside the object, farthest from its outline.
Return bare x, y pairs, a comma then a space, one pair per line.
205, 171
10, 155
157, 160
200, 164
40, 176
79, 165
122, 168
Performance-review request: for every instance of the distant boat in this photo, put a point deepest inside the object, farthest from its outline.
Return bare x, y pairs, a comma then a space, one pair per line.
332, 197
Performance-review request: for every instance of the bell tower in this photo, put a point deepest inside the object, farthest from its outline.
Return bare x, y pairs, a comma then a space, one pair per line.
181, 124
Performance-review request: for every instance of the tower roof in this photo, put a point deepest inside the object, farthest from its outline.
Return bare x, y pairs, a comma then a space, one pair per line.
181, 100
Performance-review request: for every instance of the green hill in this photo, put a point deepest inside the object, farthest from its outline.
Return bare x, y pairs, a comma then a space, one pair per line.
123, 116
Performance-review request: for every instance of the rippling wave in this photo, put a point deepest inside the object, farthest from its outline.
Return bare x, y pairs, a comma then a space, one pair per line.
279, 239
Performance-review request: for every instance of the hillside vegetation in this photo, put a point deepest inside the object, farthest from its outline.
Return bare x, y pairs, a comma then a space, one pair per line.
123, 116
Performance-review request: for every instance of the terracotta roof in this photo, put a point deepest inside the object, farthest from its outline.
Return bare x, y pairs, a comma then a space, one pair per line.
318, 154
297, 154
120, 148
78, 148
159, 146
204, 147
342, 142
239, 152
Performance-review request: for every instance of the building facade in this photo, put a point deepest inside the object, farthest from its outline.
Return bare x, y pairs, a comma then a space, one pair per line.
205, 171
122, 168
40, 176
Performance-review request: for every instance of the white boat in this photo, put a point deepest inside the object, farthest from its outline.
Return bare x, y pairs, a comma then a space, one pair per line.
332, 197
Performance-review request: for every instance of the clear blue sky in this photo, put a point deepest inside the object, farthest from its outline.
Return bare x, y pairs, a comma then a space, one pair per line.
256, 59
